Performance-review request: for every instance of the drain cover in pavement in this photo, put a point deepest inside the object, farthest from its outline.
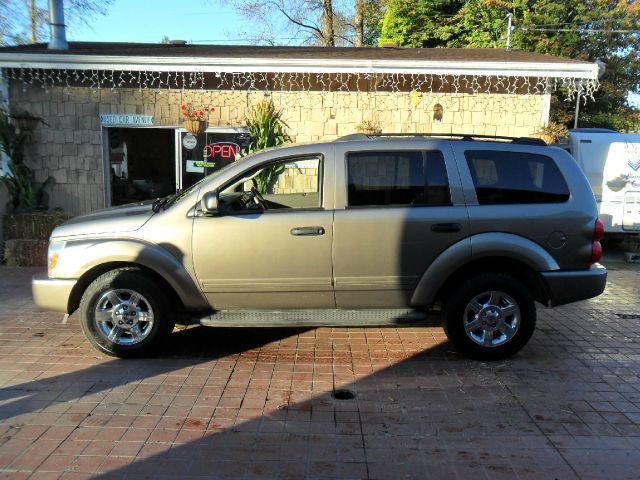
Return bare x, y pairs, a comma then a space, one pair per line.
629, 316
343, 395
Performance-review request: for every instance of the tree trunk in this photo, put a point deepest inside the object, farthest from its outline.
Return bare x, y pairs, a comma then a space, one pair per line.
33, 17
359, 24
328, 35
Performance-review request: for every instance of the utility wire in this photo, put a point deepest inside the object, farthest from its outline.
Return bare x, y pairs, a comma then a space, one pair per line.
580, 30
586, 22
244, 39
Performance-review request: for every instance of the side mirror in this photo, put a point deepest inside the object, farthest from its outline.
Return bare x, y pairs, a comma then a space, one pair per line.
209, 202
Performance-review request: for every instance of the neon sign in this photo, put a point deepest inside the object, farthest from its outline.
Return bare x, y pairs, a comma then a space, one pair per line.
221, 150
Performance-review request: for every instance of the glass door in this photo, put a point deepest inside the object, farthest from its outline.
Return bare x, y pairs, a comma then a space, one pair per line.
141, 164
208, 152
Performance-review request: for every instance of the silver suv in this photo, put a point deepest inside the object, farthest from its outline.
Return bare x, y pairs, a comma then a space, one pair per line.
365, 230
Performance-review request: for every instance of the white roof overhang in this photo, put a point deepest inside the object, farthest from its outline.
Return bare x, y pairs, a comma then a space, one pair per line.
575, 70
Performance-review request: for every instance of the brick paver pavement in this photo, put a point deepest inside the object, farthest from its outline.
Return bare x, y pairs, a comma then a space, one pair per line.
254, 403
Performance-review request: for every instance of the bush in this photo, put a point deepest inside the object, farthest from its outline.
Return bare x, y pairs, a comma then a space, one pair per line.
25, 252
27, 236
34, 225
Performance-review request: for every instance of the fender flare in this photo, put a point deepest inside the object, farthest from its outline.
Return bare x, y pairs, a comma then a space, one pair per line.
96, 252
483, 245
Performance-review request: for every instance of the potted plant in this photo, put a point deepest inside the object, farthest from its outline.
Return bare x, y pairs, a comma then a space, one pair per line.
23, 193
194, 119
27, 223
552, 132
266, 130
369, 127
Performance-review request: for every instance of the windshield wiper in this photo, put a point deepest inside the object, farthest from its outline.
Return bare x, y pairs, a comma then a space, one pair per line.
173, 198
157, 204
161, 202
166, 201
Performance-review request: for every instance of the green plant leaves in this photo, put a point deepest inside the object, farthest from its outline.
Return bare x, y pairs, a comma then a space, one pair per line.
24, 196
266, 128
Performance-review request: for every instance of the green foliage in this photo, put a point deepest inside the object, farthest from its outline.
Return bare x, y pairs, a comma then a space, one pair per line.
266, 128
416, 23
24, 195
568, 28
11, 141
624, 120
372, 19
553, 131
267, 177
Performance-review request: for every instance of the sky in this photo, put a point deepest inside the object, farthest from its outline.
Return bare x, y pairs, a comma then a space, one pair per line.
150, 20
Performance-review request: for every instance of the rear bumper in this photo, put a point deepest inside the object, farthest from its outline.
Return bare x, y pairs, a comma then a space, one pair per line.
51, 293
574, 285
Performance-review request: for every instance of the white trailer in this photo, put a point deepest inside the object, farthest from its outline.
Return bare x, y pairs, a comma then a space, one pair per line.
611, 162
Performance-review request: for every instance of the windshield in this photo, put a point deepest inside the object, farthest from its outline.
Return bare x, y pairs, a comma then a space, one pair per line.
178, 197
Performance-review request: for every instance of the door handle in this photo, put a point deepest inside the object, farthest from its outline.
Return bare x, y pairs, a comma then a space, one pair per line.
307, 231
446, 227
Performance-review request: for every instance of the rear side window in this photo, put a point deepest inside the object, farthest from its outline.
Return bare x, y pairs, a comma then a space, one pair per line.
502, 177
403, 177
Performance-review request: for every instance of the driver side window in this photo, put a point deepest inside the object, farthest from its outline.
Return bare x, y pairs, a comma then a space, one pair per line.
291, 183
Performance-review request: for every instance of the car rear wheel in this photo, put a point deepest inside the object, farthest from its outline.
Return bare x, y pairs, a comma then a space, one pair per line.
490, 316
126, 313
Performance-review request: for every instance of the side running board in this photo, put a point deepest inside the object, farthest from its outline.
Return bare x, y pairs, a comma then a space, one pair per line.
313, 318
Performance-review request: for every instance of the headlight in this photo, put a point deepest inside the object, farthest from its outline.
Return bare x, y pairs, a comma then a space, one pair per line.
55, 248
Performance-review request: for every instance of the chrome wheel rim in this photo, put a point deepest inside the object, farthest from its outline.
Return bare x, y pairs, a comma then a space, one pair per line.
124, 316
491, 319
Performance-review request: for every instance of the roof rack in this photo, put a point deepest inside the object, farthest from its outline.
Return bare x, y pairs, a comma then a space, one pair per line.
448, 136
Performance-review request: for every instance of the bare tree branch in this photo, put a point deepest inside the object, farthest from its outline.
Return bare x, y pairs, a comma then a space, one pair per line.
319, 22
24, 21
293, 20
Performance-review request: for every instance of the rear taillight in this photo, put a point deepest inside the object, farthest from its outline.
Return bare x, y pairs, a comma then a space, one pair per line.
596, 247
598, 231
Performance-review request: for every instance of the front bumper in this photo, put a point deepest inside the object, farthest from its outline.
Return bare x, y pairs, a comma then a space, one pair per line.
574, 285
51, 293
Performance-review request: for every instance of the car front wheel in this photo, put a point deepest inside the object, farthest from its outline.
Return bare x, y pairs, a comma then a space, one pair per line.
490, 316
125, 313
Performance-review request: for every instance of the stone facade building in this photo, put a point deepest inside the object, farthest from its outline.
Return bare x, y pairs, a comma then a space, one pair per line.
112, 119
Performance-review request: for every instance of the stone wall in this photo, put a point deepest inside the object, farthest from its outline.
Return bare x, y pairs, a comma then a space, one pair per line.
296, 180
69, 148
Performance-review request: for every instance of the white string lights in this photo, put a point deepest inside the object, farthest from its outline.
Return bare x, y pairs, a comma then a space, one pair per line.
302, 82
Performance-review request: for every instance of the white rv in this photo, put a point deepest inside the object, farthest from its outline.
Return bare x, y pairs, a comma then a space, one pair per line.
611, 162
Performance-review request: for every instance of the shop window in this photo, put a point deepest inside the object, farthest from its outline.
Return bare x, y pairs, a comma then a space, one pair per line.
208, 152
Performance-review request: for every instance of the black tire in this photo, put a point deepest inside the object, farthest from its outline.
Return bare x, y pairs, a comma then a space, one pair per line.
154, 298
455, 315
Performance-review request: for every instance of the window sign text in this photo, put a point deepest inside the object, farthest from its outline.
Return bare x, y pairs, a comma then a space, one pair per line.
125, 119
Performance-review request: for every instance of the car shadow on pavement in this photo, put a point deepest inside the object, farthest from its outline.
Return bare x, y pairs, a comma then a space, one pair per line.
259, 403
187, 348
326, 403
432, 415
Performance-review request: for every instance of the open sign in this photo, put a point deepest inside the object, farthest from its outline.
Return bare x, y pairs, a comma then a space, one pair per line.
221, 150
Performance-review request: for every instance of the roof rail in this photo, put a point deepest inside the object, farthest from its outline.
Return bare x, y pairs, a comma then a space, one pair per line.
447, 136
